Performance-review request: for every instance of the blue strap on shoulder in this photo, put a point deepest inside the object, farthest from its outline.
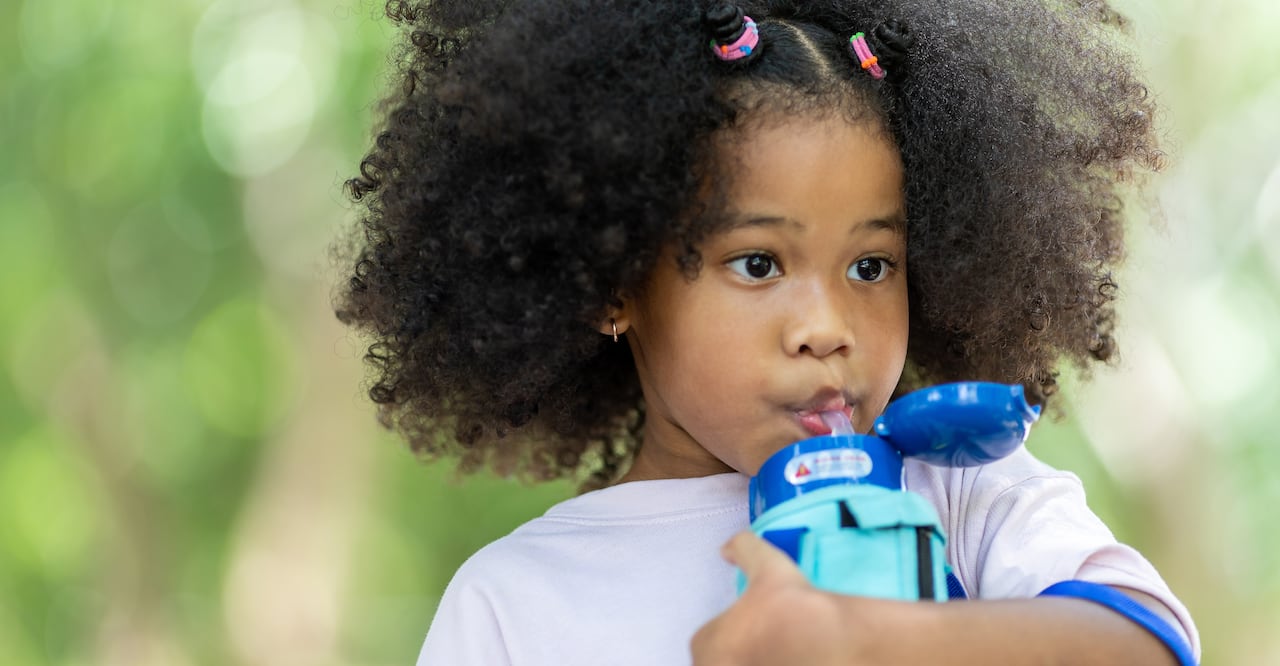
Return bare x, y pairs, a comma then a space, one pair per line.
1128, 607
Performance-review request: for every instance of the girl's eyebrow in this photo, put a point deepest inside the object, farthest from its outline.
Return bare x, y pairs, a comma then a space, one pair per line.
896, 223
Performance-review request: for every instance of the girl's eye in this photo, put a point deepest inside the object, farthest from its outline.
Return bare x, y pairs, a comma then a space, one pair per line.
755, 266
869, 270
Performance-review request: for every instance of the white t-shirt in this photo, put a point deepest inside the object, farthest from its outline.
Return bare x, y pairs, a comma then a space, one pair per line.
627, 574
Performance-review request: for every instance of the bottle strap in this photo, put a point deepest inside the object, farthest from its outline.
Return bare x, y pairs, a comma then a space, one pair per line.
1125, 605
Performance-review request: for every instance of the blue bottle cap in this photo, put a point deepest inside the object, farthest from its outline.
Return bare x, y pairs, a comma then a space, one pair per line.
819, 462
958, 425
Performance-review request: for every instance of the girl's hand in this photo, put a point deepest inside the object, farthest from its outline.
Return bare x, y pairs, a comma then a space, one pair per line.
780, 618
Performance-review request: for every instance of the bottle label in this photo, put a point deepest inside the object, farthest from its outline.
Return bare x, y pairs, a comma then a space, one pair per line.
827, 464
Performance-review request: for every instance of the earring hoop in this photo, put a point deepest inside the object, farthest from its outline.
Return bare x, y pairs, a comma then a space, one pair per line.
614, 324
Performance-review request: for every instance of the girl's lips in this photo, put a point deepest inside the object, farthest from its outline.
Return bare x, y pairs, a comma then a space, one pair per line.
811, 419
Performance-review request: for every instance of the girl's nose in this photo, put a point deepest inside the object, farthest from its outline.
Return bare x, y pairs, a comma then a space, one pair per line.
820, 325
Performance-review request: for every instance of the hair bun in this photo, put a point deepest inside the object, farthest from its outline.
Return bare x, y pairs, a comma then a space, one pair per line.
734, 35
891, 41
724, 21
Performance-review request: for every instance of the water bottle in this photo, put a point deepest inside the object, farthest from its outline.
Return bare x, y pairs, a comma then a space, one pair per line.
836, 503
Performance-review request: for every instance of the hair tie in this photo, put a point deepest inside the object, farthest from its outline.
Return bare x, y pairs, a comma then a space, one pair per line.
734, 36
882, 51
862, 53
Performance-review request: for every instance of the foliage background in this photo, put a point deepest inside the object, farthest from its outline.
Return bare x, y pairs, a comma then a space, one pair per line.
190, 474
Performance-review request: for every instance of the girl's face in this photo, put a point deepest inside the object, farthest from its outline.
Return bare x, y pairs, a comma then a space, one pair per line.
800, 305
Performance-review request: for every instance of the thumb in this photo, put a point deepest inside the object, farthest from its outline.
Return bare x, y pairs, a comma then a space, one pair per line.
759, 559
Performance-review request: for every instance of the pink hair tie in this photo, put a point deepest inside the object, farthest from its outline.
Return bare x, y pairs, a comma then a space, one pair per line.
742, 46
862, 52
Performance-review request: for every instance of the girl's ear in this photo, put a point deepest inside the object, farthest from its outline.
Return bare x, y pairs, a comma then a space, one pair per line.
616, 322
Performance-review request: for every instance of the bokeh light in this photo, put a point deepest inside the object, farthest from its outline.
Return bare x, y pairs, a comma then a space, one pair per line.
51, 517
29, 251
239, 366
156, 275
264, 68
60, 34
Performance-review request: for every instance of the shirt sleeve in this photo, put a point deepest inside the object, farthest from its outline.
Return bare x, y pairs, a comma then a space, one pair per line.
1019, 526
465, 630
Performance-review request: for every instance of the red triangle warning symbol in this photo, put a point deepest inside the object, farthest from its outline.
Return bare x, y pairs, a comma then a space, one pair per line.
802, 472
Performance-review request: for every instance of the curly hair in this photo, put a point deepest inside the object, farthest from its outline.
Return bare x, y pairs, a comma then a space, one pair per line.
537, 157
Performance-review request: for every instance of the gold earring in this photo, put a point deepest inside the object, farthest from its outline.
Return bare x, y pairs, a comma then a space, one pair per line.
614, 324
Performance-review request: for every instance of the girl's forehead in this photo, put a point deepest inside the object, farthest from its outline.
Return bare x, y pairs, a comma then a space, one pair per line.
743, 155
803, 170
761, 127
765, 103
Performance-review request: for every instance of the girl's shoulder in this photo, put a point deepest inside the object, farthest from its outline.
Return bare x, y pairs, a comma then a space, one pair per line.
1020, 474
607, 564
639, 516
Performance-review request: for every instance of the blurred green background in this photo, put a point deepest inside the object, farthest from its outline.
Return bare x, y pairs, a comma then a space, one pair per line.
189, 470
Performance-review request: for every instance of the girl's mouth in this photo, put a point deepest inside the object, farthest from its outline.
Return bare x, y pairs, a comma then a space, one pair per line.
811, 419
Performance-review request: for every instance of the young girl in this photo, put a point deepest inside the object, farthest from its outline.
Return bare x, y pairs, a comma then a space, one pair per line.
644, 244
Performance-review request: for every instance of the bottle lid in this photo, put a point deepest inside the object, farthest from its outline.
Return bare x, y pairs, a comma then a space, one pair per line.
964, 424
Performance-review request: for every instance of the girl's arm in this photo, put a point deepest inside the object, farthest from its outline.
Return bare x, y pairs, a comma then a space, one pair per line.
781, 619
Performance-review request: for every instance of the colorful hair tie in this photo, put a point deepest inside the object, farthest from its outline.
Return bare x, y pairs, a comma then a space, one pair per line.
740, 47
862, 53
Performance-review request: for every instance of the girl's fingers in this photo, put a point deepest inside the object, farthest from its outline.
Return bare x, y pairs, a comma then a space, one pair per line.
756, 557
